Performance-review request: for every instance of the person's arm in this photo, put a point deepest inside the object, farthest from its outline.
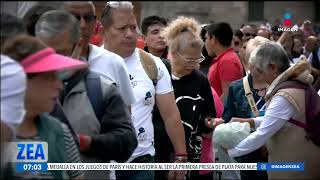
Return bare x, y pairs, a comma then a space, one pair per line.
170, 114
225, 90
272, 122
229, 72
208, 110
229, 106
172, 120
117, 140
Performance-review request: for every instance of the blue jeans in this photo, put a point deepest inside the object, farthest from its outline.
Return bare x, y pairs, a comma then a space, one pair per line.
136, 174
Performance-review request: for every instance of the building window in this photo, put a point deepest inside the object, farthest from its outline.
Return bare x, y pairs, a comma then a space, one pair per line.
256, 9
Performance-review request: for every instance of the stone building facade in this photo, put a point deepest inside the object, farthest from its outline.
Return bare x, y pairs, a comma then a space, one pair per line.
234, 12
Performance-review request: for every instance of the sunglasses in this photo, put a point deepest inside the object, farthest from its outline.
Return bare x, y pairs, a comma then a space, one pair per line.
87, 18
249, 34
192, 62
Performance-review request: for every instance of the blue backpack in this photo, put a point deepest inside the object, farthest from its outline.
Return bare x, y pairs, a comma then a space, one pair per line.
94, 92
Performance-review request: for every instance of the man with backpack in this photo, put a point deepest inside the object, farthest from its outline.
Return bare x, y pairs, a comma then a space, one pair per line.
120, 36
290, 126
93, 104
105, 63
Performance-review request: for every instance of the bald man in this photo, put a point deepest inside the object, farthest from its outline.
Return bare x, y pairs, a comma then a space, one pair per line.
312, 51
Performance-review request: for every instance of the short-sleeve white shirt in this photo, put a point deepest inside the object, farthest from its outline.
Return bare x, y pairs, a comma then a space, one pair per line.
144, 92
111, 66
13, 86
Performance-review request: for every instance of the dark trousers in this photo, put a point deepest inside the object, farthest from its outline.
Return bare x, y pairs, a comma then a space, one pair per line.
253, 157
137, 174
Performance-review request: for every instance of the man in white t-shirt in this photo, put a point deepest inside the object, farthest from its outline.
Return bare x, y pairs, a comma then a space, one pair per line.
120, 36
108, 64
13, 86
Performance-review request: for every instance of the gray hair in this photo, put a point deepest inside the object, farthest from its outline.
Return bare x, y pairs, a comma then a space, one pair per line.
106, 16
55, 22
270, 53
253, 44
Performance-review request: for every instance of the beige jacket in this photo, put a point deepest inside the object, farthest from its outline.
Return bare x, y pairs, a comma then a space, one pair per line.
289, 143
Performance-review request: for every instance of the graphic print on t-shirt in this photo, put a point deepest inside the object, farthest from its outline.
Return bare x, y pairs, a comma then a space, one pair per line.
133, 83
148, 98
142, 134
191, 124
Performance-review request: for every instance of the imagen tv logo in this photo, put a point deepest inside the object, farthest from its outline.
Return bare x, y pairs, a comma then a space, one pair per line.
287, 23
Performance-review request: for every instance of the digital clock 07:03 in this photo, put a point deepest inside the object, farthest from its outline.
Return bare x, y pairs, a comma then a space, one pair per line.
32, 166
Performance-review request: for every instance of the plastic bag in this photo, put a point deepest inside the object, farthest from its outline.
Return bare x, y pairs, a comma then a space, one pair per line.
230, 134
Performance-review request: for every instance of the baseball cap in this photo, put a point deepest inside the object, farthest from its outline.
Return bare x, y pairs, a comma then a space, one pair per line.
48, 60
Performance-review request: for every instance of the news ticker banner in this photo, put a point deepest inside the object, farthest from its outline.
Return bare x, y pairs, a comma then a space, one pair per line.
160, 166
33, 156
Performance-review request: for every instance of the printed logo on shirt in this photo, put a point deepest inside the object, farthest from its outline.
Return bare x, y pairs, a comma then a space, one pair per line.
161, 73
130, 77
148, 98
142, 135
133, 83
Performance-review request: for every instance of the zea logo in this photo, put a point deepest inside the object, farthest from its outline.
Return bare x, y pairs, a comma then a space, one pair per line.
287, 22
32, 152
28, 155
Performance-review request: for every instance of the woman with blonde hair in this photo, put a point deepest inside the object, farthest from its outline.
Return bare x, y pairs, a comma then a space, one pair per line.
191, 87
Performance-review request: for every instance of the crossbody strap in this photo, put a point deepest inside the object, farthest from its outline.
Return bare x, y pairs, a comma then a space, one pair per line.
149, 65
249, 96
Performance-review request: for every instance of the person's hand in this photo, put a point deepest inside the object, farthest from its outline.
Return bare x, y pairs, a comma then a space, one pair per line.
242, 120
177, 175
212, 123
224, 149
85, 142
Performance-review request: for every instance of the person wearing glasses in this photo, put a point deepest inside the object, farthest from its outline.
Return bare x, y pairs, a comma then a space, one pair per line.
105, 129
191, 87
120, 37
106, 63
237, 105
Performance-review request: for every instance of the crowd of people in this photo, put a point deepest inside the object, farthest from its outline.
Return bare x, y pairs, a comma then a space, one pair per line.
99, 92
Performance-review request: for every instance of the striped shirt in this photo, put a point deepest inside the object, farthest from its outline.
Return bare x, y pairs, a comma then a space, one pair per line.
72, 152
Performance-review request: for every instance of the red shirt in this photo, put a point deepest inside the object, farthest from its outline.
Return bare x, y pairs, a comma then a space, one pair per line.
225, 67
140, 43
